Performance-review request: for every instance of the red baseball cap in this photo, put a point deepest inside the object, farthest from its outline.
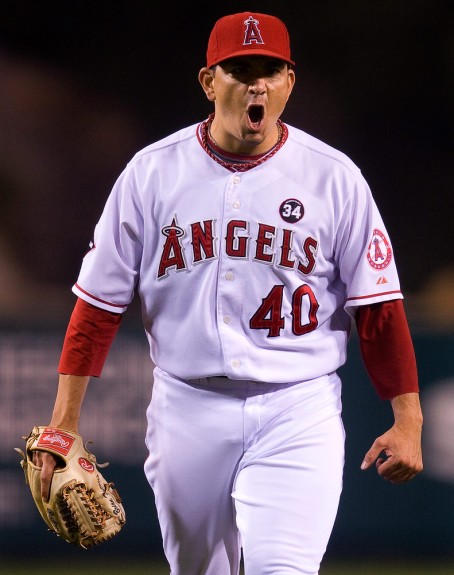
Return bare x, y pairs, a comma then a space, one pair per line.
248, 34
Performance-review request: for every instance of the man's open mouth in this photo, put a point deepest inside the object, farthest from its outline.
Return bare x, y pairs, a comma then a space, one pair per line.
255, 113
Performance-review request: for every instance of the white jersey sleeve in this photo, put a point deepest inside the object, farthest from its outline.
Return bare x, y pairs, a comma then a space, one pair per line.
364, 253
110, 269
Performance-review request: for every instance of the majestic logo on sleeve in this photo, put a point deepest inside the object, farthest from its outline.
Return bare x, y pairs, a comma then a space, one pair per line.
252, 32
379, 252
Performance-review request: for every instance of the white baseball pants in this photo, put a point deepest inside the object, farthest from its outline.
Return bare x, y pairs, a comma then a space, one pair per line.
240, 465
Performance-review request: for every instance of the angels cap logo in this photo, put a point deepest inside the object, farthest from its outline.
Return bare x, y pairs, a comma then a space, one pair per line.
252, 33
379, 252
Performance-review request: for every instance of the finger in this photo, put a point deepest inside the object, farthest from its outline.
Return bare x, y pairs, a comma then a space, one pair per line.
382, 470
401, 475
394, 472
380, 461
47, 472
371, 456
37, 459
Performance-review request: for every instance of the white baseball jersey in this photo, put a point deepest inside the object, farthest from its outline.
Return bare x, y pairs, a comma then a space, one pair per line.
252, 275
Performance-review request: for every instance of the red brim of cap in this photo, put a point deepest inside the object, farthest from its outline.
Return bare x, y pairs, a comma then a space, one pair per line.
249, 52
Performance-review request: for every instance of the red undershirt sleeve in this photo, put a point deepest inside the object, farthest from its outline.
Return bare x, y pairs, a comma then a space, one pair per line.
387, 348
90, 333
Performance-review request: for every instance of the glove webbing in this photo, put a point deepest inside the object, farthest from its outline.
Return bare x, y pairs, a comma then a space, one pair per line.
75, 499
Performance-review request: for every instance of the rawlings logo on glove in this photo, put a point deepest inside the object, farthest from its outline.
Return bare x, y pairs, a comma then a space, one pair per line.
83, 508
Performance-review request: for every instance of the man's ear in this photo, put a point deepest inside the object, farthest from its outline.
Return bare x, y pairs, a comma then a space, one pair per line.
206, 79
291, 81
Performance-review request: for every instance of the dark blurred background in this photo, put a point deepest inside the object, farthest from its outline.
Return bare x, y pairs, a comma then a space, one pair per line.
84, 85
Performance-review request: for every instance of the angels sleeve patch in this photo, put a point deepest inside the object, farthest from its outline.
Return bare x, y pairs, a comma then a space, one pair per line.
379, 252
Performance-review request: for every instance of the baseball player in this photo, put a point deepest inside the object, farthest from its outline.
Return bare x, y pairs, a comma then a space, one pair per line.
253, 247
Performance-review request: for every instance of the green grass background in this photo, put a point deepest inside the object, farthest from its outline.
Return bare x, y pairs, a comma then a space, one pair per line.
142, 567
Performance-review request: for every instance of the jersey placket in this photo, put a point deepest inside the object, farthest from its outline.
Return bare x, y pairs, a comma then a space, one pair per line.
231, 283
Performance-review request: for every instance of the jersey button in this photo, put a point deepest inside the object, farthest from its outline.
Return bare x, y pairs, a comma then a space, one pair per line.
229, 276
236, 179
236, 363
237, 204
226, 319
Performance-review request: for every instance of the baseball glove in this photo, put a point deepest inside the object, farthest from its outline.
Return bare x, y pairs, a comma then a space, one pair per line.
83, 508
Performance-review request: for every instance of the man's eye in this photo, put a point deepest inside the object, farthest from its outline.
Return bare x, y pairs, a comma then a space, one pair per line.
238, 70
273, 71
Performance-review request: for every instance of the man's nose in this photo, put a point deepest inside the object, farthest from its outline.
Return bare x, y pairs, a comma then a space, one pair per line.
257, 85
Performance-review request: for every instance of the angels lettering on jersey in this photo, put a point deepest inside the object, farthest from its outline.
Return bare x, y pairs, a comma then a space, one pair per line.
270, 245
